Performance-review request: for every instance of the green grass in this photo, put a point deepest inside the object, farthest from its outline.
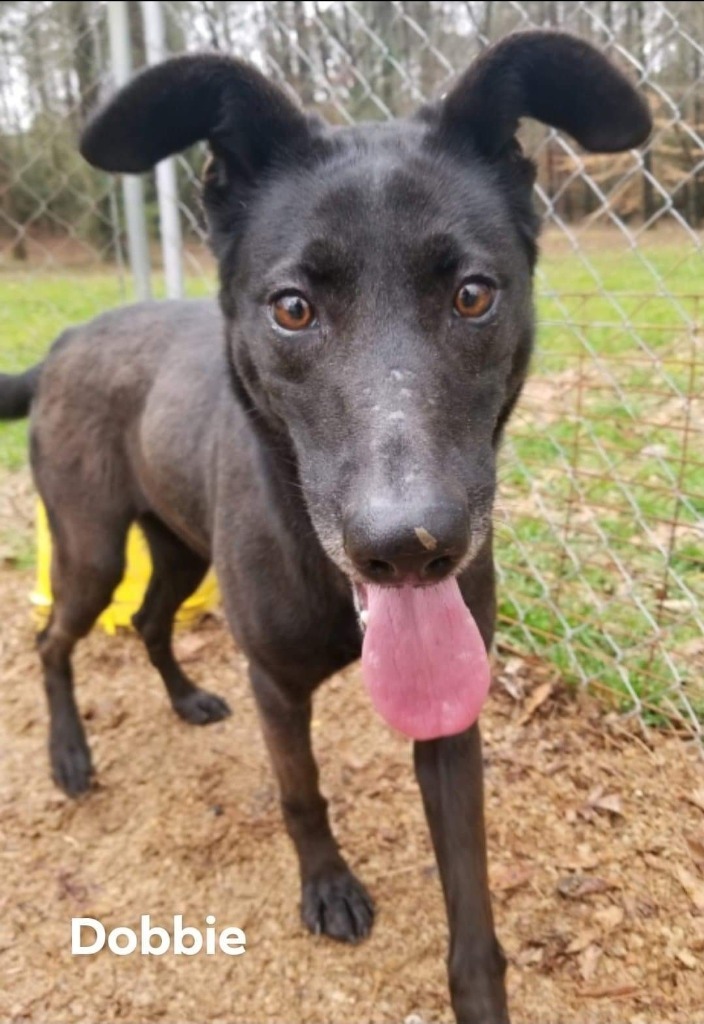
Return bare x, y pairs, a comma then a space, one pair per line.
35, 309
603, 478
601, 552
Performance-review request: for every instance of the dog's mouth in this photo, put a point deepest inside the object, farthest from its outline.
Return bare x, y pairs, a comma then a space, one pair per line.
424, 662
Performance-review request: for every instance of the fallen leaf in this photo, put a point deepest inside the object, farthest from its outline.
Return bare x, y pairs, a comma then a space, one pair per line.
693, 887
189, 645
554, 945
611, 992
512, 687
509, 677
686, 958
355, 762
582, 941
600, 801
71, 888
514, 666
696, 938
610, 802
696, 798
588, 962
538, 697
695, 844
609, 918
578, 887
654, 862
640, 906
583, 859
506, 878
529, 956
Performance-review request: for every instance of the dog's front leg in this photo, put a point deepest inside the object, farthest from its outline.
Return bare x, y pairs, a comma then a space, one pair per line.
449, 771
333, 900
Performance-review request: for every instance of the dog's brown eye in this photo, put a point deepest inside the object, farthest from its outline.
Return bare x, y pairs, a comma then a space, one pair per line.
474, 298
292, 311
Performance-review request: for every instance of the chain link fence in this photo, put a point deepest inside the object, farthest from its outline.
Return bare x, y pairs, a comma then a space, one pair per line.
600, 524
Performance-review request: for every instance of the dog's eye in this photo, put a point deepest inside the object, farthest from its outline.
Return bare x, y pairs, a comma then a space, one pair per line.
292, 311
474, 298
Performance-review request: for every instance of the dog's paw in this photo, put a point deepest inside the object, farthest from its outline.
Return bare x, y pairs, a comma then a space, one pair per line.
71, 767
201, 708
337, 905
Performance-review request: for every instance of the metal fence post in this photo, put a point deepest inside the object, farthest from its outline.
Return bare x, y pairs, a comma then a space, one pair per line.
132, 187
166, 181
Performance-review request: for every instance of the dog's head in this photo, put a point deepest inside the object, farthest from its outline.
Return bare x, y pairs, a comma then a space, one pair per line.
376, 280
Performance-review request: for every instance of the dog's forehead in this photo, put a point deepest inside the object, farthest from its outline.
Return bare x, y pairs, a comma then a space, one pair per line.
383, 185
391, 173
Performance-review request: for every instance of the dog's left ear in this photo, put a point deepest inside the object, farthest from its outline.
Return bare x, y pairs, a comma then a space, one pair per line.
552, 77
247, 120
249, 123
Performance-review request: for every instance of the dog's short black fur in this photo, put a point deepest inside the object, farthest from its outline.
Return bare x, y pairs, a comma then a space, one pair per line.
300, 458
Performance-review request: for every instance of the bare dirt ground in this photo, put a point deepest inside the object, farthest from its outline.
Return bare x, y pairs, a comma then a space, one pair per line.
596, 839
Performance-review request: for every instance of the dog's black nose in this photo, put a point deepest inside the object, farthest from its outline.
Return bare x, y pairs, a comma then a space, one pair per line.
407, 544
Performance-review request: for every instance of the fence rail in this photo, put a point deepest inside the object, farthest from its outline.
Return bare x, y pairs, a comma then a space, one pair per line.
601, 520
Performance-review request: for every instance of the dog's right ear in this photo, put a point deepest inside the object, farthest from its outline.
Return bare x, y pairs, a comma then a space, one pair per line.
553, 77
248, 121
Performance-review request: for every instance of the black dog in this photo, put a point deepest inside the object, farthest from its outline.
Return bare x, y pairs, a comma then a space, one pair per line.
339, 449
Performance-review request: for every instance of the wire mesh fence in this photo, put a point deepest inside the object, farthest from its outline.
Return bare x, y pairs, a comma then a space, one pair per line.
600, 526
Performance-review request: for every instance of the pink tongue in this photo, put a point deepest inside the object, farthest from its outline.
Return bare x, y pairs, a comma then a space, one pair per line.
423, 659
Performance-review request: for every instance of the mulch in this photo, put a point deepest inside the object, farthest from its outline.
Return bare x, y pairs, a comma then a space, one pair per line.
596, 836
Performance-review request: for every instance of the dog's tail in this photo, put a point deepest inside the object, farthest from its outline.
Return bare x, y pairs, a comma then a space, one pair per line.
17, 392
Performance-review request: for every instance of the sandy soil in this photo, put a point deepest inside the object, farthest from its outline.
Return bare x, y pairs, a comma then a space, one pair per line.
596, 837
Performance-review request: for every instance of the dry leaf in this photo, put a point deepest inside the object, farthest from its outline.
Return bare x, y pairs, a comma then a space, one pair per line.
555, 945
582, 941
611, 992
189, 645
693, 887
588, 962
577, 887
585, 860
529, 956
696, 798
508, 877
514, 666
598, 800
609, 918
538, 697
611, 803
686, 958
695, 936
640, 906
512, 687
695, 844
509, 677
